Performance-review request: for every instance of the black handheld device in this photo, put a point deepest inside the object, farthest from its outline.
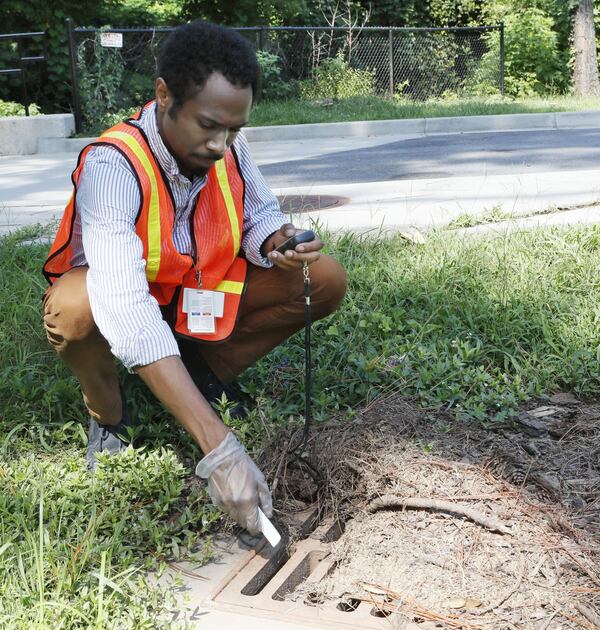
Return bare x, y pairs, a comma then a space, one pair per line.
297, 239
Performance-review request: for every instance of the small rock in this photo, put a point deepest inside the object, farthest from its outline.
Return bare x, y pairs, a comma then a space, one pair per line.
543, 412
457, 602
472, 603
564, 398
531, 425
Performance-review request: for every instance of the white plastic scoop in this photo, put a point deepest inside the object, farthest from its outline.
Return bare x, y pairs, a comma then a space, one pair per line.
268, 530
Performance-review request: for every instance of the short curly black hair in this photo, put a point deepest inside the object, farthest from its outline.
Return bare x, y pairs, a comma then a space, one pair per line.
194, 51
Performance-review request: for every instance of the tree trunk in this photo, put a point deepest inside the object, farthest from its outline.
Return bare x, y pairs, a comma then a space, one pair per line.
585, 72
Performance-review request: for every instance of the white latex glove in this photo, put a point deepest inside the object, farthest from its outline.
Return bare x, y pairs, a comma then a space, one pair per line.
235, 484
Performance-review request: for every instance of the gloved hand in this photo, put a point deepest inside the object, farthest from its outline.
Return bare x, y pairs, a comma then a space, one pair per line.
235, 484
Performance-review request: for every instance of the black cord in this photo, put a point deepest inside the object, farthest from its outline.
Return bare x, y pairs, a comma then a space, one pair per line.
299, 452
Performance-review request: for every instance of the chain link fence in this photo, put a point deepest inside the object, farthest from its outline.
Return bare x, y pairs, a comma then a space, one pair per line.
113, 71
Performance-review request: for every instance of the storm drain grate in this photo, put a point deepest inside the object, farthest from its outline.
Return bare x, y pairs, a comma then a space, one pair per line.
264, 577
299, 204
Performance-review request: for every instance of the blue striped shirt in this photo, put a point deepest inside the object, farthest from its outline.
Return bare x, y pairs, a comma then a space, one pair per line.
104, 238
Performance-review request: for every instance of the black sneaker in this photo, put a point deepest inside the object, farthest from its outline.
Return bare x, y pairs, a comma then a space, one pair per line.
209, 384
104, 437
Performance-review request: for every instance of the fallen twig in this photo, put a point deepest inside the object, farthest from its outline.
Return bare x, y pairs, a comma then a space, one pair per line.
389, 501
187, 572
591, 615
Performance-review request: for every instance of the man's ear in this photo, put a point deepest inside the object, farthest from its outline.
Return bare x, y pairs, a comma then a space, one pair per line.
163, 96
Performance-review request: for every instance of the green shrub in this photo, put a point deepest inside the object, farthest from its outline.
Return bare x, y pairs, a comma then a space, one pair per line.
10, 108
101, 71
335, 78
533, 62
274, 87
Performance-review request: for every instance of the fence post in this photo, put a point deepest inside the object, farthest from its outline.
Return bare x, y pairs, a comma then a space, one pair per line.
262, 38
24, 95
391, 59
74, 77
502, 58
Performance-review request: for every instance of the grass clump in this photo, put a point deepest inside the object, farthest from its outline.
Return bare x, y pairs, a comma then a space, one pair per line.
491, 215
74, 545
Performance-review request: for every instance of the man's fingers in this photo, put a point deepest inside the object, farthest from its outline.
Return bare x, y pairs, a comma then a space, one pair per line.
312, 246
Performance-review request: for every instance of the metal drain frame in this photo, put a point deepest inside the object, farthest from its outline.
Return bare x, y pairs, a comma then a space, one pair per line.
259, 582
305, 204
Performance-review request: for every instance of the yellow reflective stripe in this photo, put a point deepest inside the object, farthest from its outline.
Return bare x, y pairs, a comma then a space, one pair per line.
228, 197
154, 240
230, 286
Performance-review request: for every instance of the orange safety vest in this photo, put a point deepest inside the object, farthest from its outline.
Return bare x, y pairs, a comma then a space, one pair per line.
216, 230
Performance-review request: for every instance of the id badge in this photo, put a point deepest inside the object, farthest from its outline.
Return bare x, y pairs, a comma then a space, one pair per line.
200, 311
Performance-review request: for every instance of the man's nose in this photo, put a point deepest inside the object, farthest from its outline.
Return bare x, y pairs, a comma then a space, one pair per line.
217, 143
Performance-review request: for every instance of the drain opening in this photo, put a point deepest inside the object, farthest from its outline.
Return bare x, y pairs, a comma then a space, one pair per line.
329, 532
266, 573
349, 605
307, 565
314, 599
278, 559
380, 612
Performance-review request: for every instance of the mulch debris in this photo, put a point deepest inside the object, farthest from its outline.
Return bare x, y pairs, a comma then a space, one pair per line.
453, 524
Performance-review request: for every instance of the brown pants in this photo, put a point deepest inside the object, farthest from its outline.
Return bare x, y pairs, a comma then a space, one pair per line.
272, 310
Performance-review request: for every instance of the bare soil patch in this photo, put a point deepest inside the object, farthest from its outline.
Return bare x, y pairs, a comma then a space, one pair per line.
456, 525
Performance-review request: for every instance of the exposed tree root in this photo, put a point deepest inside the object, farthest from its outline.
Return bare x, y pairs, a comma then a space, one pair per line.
389, 501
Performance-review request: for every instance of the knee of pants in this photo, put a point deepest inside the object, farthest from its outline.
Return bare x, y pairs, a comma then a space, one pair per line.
67, 312
328, 283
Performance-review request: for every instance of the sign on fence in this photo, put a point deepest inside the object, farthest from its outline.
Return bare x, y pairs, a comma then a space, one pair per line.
111, 40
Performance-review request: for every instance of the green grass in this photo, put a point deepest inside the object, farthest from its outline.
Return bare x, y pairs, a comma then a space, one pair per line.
491, 215
471, 324
297, 112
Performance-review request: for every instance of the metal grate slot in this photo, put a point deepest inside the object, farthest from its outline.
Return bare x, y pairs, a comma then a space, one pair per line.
299, 574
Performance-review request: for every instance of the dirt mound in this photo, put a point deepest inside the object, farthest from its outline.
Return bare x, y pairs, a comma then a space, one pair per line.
454, 524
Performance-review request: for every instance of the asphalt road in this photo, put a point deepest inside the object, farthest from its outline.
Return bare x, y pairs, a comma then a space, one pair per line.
458, 155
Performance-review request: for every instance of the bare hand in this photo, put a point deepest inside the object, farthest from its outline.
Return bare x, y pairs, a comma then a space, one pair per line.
293, 258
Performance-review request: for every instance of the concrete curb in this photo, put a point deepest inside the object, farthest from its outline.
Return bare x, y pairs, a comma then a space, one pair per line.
20, 135
410, 126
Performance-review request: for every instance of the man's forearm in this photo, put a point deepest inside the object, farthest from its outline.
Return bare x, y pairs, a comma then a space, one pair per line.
171, 383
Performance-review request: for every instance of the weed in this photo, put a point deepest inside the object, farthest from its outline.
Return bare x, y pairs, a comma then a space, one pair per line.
492, 215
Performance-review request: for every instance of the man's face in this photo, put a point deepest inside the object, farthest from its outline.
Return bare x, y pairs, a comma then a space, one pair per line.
205, 125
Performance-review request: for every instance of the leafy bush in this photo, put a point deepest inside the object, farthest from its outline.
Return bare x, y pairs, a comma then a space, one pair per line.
533, 62
274, 87
101, 71
335, 78
10, 108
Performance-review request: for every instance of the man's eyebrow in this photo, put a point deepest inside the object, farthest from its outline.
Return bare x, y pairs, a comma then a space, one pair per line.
212, 121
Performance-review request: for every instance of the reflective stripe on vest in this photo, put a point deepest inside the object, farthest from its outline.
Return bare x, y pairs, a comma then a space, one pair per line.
154, 236
228, 197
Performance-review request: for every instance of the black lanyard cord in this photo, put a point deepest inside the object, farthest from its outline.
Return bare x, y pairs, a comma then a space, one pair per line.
299, 457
